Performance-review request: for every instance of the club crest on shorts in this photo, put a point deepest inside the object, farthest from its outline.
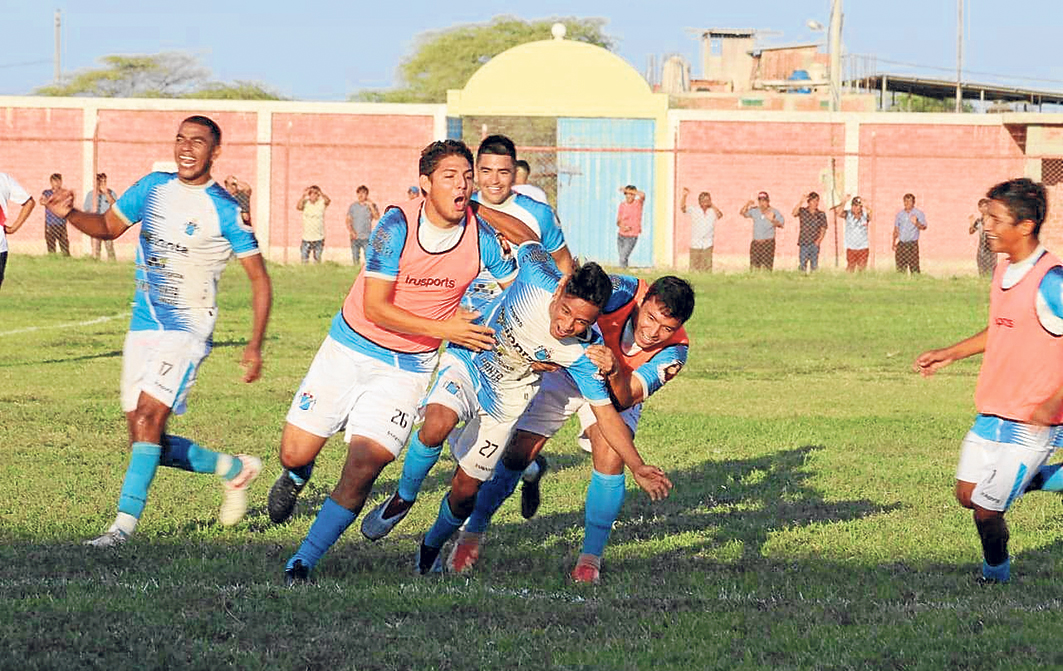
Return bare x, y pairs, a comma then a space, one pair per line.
453, 388
541, 353
307, 401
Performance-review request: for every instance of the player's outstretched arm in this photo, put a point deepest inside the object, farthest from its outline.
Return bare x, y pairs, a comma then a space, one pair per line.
261, 300
459, 329
650, 478
23, 215
927, 363
513, 229
106, 226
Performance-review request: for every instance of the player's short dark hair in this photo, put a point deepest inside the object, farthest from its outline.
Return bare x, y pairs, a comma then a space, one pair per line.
497, 145
1024, 198
208, 123
362, 188
57, 176
591, 283
439, 150
521, 164
675, 294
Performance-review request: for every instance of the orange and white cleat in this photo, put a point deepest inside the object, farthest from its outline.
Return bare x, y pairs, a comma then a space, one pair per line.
465, 553
588, 569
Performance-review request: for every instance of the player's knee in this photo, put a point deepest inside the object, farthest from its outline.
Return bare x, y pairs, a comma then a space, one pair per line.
964, 490
298, 447
148, 423
463, 489
438, 423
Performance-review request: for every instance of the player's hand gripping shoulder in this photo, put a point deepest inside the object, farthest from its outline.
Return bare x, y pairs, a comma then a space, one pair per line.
461, 330
603, 357
653, 481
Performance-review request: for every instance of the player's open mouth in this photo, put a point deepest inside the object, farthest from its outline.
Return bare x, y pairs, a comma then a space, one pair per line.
187, 161
459, 202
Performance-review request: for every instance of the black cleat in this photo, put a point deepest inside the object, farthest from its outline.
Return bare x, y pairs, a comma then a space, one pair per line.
298, 574
529, 491
282, 497
429, 560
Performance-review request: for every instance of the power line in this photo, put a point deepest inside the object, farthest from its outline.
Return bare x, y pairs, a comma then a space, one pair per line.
24, 64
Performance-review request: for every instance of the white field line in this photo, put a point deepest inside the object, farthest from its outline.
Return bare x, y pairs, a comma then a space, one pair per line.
90, 322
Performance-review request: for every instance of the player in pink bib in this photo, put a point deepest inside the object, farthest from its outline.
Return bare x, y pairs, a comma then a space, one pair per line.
1019, 394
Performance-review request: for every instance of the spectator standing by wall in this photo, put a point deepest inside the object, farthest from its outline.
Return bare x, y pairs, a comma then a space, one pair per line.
856, 236
241, 191
98, 201
906, 227
629, 222
765, 220
812, 227
360, 217
984, 257
313, 205
703, 220
11, 190
54, 227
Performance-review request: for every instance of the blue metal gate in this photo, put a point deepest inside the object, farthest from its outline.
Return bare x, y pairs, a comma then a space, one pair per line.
589, 183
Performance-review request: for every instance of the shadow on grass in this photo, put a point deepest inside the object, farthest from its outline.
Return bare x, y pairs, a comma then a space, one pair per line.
100, 355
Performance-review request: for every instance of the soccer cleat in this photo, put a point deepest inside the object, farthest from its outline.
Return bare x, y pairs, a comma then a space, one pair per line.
110, 539
428, 560
465, 553
375, 526
234, 498
587, 570
296, 574
529, 491
282, 497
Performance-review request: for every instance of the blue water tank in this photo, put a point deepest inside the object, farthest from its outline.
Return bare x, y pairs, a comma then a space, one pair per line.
797, 76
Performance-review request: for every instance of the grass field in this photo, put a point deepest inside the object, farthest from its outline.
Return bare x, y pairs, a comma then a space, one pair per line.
812, 523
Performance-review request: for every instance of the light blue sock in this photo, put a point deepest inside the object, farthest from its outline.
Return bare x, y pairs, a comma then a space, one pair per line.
138, 476
1051, 478
605, 495
331, 521
179, 452
493, 492
418, 461
445, 525
999, 573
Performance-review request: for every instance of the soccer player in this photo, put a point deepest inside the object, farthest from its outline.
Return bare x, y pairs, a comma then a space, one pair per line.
496, 161
542, 317
11, 190
374, 366
645, 347
1019, 394
190, 226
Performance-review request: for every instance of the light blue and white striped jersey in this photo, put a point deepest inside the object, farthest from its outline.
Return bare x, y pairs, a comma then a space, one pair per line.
187, 234
520, 317
536, 215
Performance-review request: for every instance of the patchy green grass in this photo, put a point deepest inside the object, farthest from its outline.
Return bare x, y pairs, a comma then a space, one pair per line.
812, 524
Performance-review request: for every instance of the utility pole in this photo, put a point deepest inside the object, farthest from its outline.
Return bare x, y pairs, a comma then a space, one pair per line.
58, 66
836, 55
959, 56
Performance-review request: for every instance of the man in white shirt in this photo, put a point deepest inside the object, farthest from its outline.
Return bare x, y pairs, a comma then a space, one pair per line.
703, 220
13, 191
521, 185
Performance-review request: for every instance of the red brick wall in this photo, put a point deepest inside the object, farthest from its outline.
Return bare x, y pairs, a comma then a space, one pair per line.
947, 168
733, 160
34, 143
339, 153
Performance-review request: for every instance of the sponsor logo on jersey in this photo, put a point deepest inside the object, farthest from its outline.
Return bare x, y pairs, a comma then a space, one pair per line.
431, 281
542, 354
307, 401
1005, 322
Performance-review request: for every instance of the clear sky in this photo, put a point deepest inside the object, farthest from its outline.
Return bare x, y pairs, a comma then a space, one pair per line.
327, 50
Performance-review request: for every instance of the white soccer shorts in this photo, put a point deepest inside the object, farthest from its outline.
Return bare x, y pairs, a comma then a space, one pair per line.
1001, 471
477, 446
161, 364
558, 399
348, 391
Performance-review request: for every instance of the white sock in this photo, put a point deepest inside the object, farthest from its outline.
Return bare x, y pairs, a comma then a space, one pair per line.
125, 523
225, 462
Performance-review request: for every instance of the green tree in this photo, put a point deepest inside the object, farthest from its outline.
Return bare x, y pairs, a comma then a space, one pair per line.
170, 74
446, 59
911, 102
